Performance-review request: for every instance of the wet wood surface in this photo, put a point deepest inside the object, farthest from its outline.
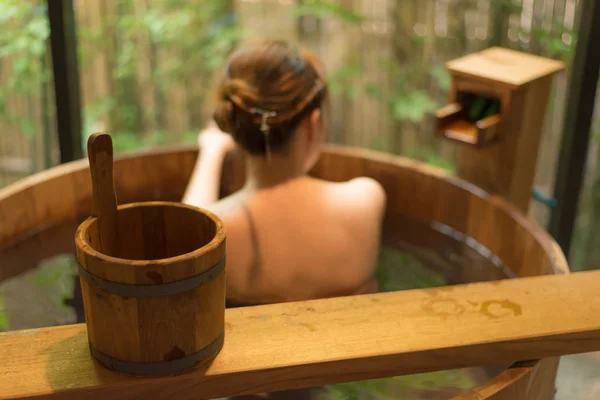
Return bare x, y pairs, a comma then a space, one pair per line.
304, 344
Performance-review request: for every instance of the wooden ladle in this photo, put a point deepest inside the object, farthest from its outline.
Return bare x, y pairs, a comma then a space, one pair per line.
104, 201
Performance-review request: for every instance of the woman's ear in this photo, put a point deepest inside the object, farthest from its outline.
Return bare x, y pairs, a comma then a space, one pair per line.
315, 137
315, 116
316, 123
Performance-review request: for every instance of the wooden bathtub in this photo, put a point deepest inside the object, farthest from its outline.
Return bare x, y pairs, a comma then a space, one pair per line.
414, 189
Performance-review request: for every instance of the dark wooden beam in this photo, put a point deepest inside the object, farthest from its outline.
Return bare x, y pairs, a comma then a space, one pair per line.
63, 42
578, 121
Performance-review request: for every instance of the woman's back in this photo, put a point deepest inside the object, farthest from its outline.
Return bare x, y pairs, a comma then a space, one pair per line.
289, 237
302, 239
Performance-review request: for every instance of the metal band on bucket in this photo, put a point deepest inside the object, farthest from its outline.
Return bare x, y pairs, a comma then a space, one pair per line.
159, 368
158, 290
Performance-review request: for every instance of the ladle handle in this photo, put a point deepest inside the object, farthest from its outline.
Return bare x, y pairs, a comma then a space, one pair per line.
104, 201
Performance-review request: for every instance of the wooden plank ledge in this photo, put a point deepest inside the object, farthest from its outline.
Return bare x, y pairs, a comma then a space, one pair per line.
304, 344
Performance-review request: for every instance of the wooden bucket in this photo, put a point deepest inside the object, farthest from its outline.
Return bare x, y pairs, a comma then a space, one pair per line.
152, 278
159, 307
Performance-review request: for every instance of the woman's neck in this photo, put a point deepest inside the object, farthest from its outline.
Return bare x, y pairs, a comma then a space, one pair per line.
282, 167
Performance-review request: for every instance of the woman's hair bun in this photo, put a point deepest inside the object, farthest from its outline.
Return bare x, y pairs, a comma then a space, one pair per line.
223, 115
272, 78
231, 93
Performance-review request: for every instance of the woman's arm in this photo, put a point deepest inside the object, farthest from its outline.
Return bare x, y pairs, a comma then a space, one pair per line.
203, 188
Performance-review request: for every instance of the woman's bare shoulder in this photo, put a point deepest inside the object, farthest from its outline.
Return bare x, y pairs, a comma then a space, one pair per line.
365, 192
227, 205
370, 185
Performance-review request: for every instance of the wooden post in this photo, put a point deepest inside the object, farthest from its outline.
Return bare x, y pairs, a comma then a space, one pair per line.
501, 146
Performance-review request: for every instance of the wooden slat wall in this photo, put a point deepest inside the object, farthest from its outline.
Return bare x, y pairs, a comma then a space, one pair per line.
447, 28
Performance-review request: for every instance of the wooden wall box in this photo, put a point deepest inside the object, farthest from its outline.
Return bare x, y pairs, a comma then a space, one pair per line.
483, 86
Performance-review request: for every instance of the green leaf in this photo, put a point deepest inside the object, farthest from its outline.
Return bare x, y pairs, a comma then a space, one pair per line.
341, 81
185, 40
377, 144
353, 92
56, 277
346, 72
336, 88
374, 91
412, 106
539, 34
3, 316
559, 49
442, 77
39, 28
324, 8
26, 127
21, 66
419, 41
21, 43
509, 6
23, 40
8, 11
431, 157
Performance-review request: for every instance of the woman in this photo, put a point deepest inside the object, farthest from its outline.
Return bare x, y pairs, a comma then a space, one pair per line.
289, 236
